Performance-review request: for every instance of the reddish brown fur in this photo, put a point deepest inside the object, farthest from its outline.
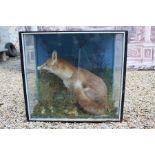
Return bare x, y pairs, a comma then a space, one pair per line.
89, 89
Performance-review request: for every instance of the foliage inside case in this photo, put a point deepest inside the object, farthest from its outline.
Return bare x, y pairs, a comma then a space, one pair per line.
55, 101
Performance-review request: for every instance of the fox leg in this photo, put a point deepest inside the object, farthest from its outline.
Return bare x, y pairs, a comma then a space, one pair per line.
66, 83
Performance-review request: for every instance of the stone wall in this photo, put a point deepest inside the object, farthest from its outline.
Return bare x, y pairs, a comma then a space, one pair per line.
141, 46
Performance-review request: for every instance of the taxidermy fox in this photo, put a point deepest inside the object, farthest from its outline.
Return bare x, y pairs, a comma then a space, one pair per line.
89, 89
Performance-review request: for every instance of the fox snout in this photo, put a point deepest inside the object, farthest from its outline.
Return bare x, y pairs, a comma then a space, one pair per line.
42, 67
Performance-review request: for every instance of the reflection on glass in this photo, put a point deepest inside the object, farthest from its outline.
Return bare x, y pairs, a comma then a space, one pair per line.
74, 75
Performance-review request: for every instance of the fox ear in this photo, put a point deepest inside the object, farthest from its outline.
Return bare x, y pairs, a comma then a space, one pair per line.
54, 56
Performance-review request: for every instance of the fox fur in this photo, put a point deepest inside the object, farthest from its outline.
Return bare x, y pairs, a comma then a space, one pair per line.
89, 89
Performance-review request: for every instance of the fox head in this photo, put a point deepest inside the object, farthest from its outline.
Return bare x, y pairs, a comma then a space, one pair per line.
56, 66
51, 63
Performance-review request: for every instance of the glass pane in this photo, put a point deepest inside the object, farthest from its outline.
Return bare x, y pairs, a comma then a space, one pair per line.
74, 75
118, 71
30, 71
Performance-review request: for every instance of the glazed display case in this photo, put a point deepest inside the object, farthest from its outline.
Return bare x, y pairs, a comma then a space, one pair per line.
74, 76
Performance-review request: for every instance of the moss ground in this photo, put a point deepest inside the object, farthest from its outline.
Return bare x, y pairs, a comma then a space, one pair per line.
55, 101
